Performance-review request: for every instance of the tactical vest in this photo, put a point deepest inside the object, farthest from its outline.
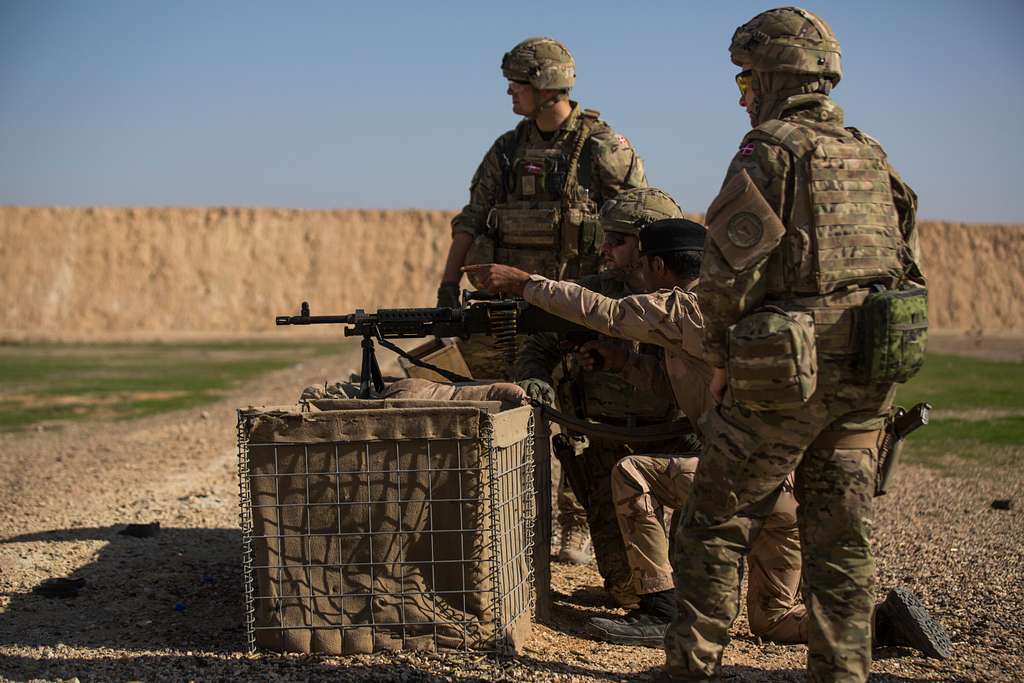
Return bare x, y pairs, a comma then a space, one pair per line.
548, 223
606, 395
842, 229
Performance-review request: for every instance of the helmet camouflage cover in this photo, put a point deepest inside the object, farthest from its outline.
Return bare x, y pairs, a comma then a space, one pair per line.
788, 39
631, 210
544, 63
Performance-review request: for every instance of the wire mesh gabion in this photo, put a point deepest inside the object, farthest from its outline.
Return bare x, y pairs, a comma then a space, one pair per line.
363, 540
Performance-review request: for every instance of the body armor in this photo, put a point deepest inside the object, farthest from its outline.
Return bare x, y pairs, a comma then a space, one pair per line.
548, 223
843, 228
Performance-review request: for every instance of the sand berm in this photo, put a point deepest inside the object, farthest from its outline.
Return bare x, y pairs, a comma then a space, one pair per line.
159, 273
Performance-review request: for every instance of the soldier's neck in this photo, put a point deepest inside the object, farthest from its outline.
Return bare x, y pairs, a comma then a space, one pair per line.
551, 118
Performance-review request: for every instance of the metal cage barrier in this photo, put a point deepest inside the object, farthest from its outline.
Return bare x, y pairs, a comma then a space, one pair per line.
407, 525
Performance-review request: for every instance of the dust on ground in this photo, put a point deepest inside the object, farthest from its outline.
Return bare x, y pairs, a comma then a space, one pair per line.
170, 608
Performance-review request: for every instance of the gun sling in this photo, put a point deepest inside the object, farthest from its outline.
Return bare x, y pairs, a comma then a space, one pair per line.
654, 432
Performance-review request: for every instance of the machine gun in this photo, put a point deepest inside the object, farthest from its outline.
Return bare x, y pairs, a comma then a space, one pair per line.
480, 313
897, 428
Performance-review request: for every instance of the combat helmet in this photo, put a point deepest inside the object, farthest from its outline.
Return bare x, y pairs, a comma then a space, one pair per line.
633, 209
790, 40
542, 62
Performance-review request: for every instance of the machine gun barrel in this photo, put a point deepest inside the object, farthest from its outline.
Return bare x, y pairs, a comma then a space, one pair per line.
304, 318
502, 319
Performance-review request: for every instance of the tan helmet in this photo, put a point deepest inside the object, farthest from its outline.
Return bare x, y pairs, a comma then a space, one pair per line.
631, 210
544, 63
788, 39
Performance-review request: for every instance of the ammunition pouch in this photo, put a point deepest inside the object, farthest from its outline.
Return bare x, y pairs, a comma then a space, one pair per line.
529, 226
773, 360
540, 237
893, 335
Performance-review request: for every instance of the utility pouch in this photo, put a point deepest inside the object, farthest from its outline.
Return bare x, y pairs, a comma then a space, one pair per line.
528, 227
481, 251
571, 233
773, 361
894, 333
591, 235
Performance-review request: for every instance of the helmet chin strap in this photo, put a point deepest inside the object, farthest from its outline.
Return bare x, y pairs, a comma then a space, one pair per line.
540, 105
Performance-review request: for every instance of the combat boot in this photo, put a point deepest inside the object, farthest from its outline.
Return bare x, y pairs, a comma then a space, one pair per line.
645, 625
903, 620
574, 545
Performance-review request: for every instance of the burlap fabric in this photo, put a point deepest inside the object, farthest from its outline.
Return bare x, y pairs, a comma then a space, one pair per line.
388, 524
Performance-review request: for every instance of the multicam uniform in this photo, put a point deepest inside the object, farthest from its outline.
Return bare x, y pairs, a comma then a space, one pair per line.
517, 214
673, 321
606, 397
642, 484
810, 215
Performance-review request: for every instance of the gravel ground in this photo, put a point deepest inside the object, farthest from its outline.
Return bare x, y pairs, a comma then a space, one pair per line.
169, 607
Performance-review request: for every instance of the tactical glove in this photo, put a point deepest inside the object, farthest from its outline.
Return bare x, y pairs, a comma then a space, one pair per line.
538, 390
448, 295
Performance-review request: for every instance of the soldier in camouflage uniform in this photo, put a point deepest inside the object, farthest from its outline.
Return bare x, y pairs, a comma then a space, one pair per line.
672, 319
811, 218
603, 396
534, 198
642, 485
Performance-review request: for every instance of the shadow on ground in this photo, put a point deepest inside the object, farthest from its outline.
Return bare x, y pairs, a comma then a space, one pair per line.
178, 590
180, 593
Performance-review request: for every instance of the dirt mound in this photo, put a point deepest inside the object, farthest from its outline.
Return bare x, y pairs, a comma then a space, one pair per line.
975, 277
145, 273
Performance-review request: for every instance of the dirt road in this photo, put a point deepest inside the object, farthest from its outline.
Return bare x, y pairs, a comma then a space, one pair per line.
169, 607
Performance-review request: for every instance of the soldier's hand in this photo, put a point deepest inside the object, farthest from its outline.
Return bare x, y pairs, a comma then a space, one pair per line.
448, 295
538, 390
498, 278
602, 355
718, 382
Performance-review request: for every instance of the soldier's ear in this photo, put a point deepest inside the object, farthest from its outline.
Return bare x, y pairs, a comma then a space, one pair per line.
658, 265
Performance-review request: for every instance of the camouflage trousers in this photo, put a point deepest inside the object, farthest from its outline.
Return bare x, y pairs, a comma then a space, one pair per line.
748, 456
641, 485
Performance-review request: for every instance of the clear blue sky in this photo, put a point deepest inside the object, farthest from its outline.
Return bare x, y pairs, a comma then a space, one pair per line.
392, 104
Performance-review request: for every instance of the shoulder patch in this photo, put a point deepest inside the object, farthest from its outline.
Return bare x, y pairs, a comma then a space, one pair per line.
742, 224
745, 229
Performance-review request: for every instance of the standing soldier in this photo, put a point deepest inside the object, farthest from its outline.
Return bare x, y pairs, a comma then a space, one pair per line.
814, 306
604, 396
533, 200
